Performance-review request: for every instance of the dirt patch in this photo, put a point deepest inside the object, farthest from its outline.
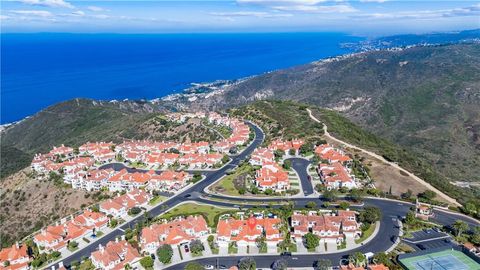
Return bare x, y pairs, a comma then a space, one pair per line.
27, 204
386, 177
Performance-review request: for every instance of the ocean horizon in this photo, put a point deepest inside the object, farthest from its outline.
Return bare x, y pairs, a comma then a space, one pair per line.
41, 69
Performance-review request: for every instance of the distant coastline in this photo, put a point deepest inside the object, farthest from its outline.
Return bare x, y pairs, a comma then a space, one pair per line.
211, 87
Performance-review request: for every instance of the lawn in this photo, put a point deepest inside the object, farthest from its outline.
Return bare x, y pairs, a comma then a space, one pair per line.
208, 211
156, 200
366, 234
226, 185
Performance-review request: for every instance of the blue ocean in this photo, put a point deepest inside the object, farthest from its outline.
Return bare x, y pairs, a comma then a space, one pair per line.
38, 70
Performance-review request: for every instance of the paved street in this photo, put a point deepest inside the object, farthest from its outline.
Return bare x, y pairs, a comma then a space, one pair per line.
388, 231
300, 166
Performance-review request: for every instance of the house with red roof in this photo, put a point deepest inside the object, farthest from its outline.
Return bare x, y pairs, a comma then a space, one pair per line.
286, 145
62, 151
91, 220
273, 177
261, 156
335, 176
51, 238
175, 232
119, 206
246, 231
15, 256
168, 180
377, 267
115, 255
329, 227
423, 210
328, 153
223, 146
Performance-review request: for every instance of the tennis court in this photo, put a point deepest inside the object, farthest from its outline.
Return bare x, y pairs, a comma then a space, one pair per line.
443, 260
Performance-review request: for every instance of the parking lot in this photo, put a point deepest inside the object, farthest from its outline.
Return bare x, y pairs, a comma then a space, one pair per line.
428, 239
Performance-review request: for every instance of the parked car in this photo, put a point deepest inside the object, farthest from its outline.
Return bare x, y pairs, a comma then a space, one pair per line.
286, 253
209, 267
187, 249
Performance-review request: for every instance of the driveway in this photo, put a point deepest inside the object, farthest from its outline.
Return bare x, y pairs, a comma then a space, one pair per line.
331, 246
253, 249
242, 250
223, 250
271, 248
176, 255
207, 250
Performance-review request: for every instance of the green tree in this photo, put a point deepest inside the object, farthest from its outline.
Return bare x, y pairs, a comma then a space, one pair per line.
460, 226
279, 153
330, 195
323, 264
165, 253
147, 262
196, 247
194, 266
407, 195
305, 148
344, 205
197, 176
280, 264
311, 240
311, 204
475, 238
247, 263
261, 242
134, 211
470, 208
358, 259
370, 214
287, 164
381, 258
428, 195
292, 152
410, 218
225, 159
268, 191
210, 239
356, 195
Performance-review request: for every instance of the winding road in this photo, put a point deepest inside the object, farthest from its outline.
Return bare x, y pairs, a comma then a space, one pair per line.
388, 231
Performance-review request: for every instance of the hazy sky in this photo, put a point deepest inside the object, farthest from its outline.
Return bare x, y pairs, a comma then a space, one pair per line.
364, 17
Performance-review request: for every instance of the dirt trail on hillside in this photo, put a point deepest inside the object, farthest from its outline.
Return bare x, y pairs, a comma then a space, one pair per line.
394, 165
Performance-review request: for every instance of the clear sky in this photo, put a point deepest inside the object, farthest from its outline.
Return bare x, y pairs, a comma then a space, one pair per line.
362, 17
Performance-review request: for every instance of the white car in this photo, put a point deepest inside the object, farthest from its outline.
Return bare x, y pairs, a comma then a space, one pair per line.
209, 267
